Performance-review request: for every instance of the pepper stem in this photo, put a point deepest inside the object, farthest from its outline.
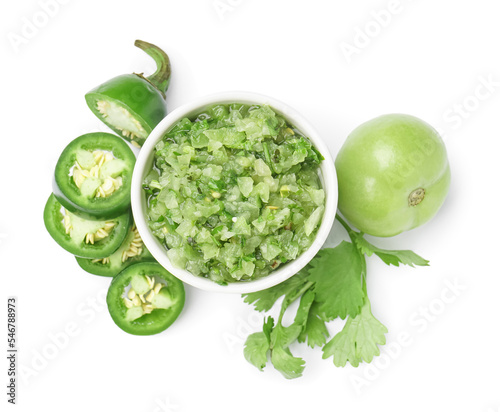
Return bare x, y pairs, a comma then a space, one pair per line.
161, 77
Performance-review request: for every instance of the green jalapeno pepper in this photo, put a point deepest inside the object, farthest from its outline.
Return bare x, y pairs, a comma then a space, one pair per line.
93, 175
145, 299
132, 104
131, 251
85, 238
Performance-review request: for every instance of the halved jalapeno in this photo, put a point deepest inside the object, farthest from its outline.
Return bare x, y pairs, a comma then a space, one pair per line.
145, 299
93, 175
132, 104
82, 237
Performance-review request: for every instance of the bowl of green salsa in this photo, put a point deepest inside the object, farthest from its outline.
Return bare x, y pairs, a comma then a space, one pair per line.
235, 192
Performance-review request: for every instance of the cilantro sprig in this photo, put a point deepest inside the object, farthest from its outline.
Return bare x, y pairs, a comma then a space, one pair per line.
331, 286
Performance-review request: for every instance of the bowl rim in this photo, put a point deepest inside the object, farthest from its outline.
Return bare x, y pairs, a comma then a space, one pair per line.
143, 166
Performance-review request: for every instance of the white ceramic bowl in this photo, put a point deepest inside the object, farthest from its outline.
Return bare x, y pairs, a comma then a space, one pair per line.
145, 161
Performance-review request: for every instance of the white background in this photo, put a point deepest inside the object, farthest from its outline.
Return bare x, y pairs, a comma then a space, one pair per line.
429, 59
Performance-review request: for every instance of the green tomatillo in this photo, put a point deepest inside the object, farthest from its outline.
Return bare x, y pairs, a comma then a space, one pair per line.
393, 175
132, 104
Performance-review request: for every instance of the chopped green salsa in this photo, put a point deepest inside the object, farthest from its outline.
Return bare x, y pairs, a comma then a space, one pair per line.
234, 193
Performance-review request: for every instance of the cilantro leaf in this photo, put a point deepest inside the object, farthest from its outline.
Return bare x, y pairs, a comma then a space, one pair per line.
390, 257
276, 340
290, 366
332, 285
282, 336
264, 300
314, 331
256, 349
337, 274
358, 340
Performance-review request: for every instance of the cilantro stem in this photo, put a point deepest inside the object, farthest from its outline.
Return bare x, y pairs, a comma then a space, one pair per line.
298, 294
289, 299
363, 272
348, 229
292, 298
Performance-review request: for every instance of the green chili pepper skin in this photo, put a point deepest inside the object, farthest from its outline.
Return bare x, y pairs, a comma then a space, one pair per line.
160, 318
108, 270
114, 263
74, 241
132, 104
89, 205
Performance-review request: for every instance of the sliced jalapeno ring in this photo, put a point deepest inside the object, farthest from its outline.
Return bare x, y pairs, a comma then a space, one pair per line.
131, 251
85, 238
132, 104
145, 299
93, 175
